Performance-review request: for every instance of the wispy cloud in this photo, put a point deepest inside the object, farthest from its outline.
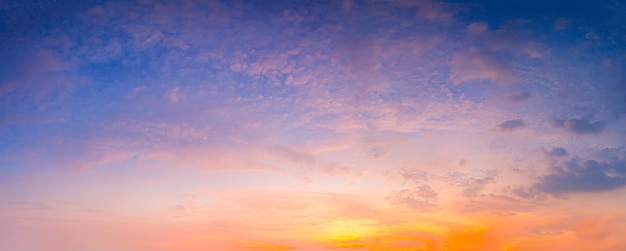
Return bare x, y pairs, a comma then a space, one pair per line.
581, 126
477, 65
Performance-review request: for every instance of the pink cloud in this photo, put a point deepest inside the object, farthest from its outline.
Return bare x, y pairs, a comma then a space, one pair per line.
427, 9
509, 38
337, 169
173, 96
347, 5
477, 65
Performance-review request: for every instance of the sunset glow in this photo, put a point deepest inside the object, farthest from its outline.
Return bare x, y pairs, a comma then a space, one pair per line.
360, 125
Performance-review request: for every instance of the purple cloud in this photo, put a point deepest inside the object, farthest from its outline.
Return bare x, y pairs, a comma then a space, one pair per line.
511, 125
557, 152
582, 125
477, 65
518, 97
577, 176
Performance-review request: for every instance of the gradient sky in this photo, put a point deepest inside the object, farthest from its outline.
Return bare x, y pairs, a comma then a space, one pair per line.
312, 125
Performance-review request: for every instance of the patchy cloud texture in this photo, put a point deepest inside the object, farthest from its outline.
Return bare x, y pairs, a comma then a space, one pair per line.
312, 125
511, 125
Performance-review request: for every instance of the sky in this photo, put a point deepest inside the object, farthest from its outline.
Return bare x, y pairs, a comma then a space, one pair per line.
354, 125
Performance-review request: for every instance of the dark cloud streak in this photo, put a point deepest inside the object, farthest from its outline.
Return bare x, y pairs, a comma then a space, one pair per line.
518, 97
557, 152
511, 125
588, 176
582, 125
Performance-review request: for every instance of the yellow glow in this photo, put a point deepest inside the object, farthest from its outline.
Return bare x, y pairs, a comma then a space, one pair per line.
508, 248
403, 243
348, 233
466, 239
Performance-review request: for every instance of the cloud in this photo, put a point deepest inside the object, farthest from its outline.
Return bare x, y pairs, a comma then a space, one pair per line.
337, 169
426, 9
557, 152
584, 176
173, 96
511, 125
477, 65
581, 126
616, 96
518, 97
510, 38
347, 5
136, 91
525, 193
374, 143
434, 11
562, 24
471, 186
296, 156
34, 75
426, 192
419, 198
357, 53
414, 174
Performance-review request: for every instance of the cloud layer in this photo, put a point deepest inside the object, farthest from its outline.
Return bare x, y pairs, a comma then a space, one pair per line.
308, 125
